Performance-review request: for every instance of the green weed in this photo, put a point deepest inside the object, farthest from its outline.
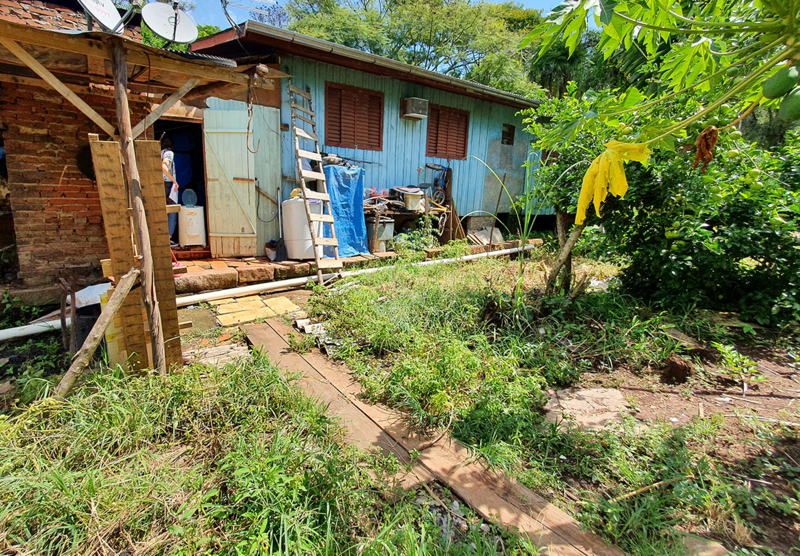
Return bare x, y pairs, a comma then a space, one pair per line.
232, 461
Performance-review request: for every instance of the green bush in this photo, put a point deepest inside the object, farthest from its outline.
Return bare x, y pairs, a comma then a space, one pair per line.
723, 240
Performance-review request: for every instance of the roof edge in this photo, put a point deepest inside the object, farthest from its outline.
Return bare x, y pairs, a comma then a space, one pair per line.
470, 88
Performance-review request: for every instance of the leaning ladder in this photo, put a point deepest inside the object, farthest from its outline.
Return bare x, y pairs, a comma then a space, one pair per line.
301, 114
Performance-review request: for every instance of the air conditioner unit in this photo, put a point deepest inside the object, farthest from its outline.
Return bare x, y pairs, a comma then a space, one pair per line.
414, 108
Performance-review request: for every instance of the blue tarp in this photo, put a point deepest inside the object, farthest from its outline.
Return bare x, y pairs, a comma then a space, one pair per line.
346, 188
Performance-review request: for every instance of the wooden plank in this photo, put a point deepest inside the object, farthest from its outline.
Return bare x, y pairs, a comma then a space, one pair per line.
493, 495
164, 106
105, 264
329, 263
322, 218
317, 195
185, 325
131, 346
304, 119
137, 55
56, 84
329, 241
309, 175
300, 92
310, 155
306, 134
148, 159
360, 430
305, 110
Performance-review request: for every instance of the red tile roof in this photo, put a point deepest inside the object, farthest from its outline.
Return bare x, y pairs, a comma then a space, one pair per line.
60, 14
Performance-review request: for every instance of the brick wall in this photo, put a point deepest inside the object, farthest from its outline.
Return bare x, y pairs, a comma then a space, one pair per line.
57, 217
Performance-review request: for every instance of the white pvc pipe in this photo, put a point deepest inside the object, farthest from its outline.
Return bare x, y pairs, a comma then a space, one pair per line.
52, 325
31, 329
294, 282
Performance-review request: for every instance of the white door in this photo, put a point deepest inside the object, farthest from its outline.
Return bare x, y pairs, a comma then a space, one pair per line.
231, 191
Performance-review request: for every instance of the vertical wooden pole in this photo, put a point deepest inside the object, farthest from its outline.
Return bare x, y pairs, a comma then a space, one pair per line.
139, 217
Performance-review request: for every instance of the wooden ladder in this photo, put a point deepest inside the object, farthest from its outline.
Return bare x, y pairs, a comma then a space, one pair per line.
305, 115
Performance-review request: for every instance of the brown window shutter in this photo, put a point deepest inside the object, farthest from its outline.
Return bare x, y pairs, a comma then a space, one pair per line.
448, 130
353, 117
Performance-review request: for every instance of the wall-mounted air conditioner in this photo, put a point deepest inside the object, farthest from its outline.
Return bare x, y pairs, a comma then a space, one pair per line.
413, 108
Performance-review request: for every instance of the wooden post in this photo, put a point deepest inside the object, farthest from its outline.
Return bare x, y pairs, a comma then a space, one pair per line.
496, 210
131, 171
98, 330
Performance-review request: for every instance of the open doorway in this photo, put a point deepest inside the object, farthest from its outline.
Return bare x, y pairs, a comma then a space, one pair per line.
190, 172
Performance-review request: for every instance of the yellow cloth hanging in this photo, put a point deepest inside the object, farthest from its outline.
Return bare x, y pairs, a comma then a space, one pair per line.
607, 175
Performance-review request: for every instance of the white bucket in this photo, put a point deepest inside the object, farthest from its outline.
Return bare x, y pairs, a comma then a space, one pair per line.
191, 226
296, 233
413, 202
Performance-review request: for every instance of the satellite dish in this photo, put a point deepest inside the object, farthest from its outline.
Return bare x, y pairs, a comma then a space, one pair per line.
105, 13
169, 22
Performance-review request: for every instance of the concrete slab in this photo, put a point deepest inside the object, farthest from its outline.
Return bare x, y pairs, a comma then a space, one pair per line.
588, 408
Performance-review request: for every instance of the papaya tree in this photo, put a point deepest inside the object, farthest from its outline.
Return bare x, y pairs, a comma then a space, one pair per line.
735, 54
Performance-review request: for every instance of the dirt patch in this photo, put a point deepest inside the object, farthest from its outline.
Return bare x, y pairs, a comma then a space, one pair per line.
742, 446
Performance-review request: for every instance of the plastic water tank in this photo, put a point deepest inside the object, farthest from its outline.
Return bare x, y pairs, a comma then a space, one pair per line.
296, 233
191, 226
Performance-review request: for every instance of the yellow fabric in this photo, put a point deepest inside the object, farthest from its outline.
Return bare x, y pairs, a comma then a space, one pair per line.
607, 175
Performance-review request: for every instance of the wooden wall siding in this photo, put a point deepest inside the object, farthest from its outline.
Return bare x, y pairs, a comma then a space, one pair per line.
405, 141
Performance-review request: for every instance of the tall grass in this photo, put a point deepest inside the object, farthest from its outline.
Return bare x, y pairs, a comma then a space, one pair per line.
234, 460
450, 346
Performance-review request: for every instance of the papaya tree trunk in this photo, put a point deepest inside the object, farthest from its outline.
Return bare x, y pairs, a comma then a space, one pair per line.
566, 251
564, 221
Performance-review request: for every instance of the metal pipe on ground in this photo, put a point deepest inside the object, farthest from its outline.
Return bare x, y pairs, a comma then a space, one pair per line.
295, 282
51, 325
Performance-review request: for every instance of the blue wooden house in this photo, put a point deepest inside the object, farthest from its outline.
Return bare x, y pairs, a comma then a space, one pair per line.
363, 112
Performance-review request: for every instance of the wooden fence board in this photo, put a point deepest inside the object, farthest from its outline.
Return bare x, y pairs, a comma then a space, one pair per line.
148, 159
131, 343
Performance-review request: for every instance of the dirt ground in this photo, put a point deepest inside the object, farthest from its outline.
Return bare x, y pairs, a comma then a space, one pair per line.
739, 444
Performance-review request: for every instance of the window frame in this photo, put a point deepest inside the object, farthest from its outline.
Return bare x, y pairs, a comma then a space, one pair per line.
512, 132
447, 155
359, 91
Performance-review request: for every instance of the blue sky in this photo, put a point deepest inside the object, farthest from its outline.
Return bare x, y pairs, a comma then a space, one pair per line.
209, 12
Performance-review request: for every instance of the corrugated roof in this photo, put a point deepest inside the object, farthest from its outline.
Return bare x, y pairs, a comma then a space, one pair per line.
283, 39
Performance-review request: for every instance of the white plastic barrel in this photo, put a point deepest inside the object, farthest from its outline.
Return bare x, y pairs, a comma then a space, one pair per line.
191, 226
296, 233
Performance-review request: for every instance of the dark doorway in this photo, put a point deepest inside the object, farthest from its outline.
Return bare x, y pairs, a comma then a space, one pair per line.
190, 167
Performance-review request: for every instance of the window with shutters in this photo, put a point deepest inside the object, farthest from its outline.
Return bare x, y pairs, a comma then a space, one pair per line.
448, 130
353, 117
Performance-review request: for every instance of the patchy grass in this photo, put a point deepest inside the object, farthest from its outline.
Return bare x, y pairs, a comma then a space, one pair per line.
450, 347
211, 461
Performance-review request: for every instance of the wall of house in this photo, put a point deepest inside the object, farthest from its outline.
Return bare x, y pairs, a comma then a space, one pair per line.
404, 141
56, 208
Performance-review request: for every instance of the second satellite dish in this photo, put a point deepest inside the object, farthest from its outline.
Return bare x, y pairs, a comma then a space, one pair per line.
105, 13
169, 22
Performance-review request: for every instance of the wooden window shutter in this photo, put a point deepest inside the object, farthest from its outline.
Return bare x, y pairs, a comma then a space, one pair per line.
353, 117
448, 132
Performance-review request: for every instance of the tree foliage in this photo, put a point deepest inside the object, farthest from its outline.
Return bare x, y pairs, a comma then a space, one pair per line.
461, 38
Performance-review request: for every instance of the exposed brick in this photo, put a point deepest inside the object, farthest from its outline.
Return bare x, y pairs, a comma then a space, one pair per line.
57, 216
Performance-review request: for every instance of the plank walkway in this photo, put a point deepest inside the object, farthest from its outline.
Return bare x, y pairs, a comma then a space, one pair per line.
494, 496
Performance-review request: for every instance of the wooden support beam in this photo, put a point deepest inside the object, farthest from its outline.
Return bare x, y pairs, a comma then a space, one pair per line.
164, 106
140, 218
96, 334
54, 82
95, 65
138, 55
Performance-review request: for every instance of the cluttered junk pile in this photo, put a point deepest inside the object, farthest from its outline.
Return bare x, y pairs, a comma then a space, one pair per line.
331, 215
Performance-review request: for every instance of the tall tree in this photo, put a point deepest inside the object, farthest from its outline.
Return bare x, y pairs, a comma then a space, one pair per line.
462, 38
